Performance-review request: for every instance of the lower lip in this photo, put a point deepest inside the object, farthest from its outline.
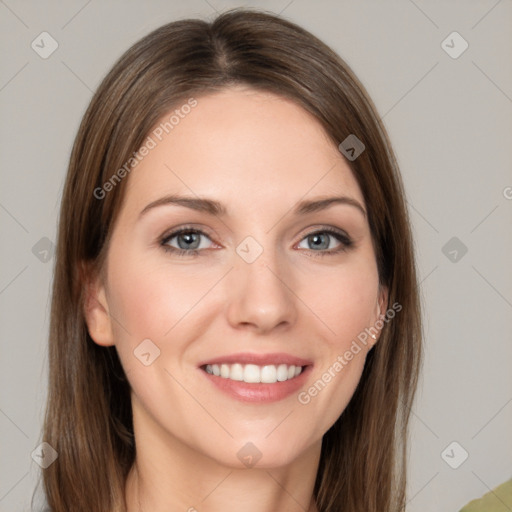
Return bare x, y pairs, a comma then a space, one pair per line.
259, 392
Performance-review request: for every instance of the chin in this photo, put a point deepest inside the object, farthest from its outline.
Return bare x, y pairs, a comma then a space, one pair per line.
261, 453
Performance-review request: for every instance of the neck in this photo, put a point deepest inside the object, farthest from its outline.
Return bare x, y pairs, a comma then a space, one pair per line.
169, 476
258, 490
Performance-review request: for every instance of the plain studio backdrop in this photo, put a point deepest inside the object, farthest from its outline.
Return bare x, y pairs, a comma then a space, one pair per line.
440, 74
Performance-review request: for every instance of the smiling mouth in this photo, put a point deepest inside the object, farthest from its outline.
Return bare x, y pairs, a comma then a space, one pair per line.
254, 374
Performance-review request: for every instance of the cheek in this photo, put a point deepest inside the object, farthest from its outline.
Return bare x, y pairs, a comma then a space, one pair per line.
150, 299
344, 300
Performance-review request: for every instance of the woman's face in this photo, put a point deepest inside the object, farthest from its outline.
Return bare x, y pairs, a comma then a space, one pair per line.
265, 282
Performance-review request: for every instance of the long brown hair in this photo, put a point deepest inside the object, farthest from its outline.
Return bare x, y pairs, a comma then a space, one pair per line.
88, 415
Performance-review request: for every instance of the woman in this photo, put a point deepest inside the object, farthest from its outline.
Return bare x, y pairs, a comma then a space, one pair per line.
235, 316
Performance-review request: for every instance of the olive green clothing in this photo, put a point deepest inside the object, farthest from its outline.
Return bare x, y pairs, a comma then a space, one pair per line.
497, 500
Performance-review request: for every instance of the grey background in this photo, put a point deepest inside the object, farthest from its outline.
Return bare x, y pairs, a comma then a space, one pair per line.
450, 123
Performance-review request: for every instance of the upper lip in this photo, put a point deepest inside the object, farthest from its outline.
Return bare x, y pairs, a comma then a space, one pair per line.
258, 359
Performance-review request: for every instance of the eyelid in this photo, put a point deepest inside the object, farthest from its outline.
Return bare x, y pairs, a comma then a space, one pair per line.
311, 230
171, 233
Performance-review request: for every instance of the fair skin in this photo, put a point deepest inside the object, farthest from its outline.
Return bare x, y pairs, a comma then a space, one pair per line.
258, 155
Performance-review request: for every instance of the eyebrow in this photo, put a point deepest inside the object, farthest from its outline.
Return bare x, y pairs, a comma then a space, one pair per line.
213, 207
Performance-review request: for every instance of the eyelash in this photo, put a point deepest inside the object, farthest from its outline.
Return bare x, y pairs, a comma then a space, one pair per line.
346, 242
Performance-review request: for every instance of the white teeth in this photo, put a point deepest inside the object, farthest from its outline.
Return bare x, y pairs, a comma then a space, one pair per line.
269, 374
224, 371
236, 372
252, 373
282, 372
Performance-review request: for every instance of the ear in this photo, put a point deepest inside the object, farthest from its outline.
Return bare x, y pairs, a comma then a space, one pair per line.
382, 301
96, 310
381, 307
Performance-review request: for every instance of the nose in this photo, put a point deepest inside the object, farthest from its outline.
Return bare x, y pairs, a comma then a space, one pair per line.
260, 295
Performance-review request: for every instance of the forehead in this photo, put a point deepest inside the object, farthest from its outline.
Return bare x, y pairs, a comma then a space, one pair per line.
244, 148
